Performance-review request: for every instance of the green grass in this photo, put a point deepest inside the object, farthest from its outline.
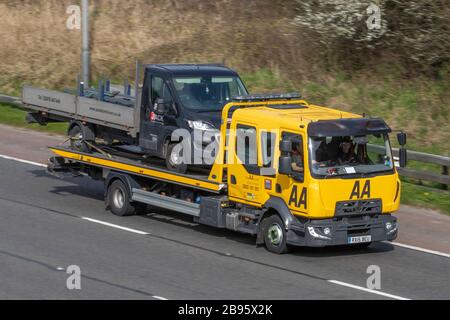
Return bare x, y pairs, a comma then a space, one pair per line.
421, 196
14, 116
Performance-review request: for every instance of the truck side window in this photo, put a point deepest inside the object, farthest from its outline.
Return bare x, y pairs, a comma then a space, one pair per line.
267, 148
246, 146
159, 89
297, 151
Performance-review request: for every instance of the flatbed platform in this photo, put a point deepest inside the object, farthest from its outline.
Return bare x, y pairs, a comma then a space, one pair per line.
115, 160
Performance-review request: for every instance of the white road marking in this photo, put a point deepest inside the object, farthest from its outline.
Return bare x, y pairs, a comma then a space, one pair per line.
388, 295
159, 298
438, 253
115, 226
23, 161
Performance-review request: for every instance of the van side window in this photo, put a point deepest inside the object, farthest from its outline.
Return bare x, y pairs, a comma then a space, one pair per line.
159, 89
267, 148
246, 146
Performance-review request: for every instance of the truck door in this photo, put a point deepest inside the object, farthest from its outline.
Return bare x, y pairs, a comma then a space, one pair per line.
155, 128
244, 164
292, 188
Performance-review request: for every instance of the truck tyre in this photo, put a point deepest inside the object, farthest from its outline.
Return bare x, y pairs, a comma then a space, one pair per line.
274, 234
119, 199
174, 160
77, 140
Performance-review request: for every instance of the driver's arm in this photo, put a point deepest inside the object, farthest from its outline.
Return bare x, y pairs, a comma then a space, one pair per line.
297, 164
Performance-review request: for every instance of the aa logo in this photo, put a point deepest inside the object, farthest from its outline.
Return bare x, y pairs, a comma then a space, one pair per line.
359, 193
298, 199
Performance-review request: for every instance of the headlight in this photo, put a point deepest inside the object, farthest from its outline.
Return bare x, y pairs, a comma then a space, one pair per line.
391, 227
200, 125
312, 231
326, 231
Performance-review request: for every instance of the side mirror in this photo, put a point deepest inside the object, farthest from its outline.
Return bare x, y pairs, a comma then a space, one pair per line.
284, 165
403, 157
161, 106
401, 138
286, 146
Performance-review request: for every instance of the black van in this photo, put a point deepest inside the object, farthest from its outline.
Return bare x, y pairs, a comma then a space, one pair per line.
184, 96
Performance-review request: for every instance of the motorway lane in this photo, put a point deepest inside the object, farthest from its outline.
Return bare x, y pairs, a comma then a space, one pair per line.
41, 229
418, 227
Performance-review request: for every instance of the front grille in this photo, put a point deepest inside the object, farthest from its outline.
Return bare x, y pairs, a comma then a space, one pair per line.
357, 207
358, 232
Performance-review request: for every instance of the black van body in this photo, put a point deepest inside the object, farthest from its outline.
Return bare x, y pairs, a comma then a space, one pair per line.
177, 86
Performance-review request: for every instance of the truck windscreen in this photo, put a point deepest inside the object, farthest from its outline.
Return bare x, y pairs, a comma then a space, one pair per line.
203, 94
350, 155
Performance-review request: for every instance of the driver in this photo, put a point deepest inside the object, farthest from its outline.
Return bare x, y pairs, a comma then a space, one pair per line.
346, 152
297, 156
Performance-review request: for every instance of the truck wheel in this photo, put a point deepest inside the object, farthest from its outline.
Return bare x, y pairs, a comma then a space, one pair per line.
275, 234
77, 140
119, 199
174, 159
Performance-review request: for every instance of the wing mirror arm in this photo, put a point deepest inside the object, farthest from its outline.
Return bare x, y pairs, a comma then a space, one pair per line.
402, 153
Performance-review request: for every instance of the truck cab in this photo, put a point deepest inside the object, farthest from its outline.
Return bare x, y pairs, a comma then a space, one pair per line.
329, 175
183, 96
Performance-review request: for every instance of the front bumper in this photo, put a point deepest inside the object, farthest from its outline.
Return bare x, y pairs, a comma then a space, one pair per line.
311, 233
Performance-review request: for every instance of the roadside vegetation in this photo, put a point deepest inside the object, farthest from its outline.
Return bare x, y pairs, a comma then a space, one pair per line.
400, 72
14, 116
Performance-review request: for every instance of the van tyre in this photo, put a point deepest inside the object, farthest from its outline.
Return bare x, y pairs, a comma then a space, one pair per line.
275, 234
119, 200
77, 141
174, 158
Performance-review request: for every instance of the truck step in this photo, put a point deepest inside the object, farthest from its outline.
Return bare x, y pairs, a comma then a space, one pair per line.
170, 203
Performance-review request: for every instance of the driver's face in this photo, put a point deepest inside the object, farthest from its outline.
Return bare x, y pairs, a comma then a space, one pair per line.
346, 146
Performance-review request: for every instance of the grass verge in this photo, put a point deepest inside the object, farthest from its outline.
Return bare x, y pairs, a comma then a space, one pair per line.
425, 197
14, 116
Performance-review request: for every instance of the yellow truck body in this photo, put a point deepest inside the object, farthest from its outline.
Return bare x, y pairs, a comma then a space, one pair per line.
318, 207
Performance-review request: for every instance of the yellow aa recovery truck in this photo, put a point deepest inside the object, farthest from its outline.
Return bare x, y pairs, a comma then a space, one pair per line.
285, 171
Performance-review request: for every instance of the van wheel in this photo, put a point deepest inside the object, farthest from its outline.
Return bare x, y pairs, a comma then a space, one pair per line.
275, 234
119, 199
77, 141
174, 158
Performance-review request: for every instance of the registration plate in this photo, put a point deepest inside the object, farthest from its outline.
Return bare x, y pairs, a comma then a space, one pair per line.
360, 239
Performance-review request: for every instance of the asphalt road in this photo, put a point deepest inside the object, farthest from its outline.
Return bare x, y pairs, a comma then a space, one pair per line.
47, 224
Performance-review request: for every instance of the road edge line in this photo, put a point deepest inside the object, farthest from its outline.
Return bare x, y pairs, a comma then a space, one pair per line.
23, 161
349, 285
407, 246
